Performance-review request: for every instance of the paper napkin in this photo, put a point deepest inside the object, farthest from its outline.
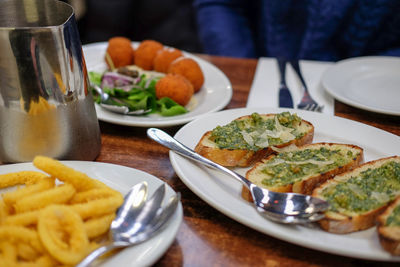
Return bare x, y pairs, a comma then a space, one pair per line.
265, 87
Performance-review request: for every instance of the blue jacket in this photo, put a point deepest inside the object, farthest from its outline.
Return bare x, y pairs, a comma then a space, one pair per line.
327, 30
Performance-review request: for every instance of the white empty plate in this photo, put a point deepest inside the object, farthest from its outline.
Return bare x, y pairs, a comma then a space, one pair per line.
370, 83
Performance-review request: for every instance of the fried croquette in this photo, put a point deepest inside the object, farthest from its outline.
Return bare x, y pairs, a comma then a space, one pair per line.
119, 52
164, 57
176, 87
190, 69
146, 52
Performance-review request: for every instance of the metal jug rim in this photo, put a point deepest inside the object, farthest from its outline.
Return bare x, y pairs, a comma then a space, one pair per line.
66, 9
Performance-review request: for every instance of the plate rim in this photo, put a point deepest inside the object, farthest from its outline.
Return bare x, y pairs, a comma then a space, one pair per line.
329, 88
169, 121
172, 227
176, 161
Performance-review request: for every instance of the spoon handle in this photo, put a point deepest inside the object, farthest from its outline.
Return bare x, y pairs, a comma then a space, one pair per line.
166, 140
100, 251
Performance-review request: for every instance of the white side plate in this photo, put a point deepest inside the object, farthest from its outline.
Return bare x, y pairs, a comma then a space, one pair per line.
369, 83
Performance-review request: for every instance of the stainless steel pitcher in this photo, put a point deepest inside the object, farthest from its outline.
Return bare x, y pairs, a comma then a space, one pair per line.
46, 107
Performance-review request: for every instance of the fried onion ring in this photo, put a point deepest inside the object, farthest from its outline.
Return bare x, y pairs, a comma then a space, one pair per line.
11, 197
26, 252
22, 219
22, 177
57, 195
93, 194
78, 179
43, 261
8, 251
4, 211
62, 233
17, 234
98, 207
97, 226
41, 223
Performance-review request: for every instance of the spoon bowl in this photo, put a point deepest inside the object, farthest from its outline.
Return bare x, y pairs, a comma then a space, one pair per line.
137, 220
287, 208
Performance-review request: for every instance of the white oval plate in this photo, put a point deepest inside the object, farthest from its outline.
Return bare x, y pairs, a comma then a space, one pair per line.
122, 179
224, 193
369, 83
213, 96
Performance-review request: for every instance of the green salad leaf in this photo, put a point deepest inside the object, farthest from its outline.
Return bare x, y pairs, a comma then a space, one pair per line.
169, 107
95, 77
141, 95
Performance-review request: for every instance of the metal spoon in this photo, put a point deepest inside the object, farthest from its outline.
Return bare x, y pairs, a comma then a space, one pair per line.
281, 207
137, 220
119, 106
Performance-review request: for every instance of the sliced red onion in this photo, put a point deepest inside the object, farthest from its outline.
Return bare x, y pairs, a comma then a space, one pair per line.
113, 79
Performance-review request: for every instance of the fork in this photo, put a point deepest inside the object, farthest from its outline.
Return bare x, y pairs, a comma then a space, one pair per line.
285, 98
307, 102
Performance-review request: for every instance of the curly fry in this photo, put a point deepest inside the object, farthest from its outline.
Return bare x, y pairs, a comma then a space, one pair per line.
98, 226
22, 177
97, 207
62, 233
57, 195
79, 180
11, 197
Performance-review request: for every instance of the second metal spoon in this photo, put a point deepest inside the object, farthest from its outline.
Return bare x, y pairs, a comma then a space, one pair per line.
137, 220
286, 208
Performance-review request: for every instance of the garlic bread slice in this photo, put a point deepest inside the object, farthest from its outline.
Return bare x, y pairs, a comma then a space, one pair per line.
248, 139
389, 228
359, 196
301, 169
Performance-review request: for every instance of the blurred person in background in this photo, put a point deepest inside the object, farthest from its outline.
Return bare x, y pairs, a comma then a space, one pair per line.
327, 30
171, 22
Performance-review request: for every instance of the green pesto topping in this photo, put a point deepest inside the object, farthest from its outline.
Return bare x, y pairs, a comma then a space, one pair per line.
257, 132
290, 167
394, 217
369, 190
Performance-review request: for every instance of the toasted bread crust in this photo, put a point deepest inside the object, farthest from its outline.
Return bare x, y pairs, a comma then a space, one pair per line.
307, 186
229, 157
242, 157
340, 223
389, 236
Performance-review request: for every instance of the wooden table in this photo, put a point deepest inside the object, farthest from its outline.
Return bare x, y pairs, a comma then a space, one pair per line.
206, 236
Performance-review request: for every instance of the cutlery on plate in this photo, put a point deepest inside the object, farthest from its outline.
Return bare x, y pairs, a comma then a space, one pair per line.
289, 208
285, 98
114, 104
306, 102
137, 219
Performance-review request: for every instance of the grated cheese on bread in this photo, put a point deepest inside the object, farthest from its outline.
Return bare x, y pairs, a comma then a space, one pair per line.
256, 143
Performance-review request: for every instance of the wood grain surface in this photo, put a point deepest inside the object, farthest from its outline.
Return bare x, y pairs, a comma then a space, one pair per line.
206, 236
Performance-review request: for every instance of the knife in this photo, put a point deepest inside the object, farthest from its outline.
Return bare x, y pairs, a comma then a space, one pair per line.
285, 98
